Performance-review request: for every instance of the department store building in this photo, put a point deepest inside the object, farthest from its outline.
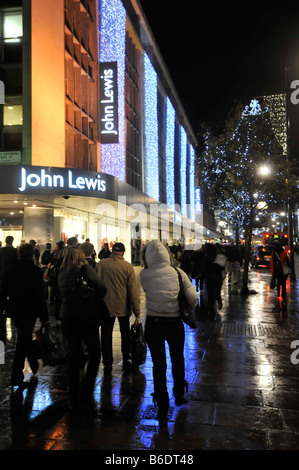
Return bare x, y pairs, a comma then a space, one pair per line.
94, 140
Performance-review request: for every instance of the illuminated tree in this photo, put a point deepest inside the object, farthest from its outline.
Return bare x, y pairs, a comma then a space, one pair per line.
241, 170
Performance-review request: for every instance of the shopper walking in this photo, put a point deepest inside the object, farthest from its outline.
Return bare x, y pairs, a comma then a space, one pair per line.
78, 334
215, 262
8, 256
233, 259
278, 262
22, 299
161, 285
121, 299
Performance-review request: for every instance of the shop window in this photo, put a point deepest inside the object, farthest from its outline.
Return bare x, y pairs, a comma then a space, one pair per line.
12, 27
13, 115
12, 127
11, 37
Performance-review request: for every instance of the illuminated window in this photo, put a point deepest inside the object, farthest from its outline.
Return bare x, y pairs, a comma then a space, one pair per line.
12, 27
13, 115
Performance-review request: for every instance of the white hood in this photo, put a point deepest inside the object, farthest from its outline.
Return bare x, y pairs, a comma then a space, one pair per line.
156, 255
160, 282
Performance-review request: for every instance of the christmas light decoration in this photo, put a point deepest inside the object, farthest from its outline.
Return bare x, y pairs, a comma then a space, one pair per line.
151, 161
169, 153
278, 116
192, 182
112, 48
183, 170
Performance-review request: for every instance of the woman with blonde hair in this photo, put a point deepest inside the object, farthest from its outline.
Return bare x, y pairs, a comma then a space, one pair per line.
76, 334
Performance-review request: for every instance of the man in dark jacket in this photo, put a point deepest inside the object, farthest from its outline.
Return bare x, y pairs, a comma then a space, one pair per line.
22, 299
8, 256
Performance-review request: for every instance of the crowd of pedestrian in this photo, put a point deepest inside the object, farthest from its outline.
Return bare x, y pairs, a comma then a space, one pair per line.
29, 279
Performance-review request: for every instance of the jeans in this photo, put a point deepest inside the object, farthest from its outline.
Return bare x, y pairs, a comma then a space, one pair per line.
106, 339
214, 285
157, 331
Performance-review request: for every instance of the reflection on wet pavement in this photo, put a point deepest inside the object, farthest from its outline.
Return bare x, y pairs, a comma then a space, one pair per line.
243, 388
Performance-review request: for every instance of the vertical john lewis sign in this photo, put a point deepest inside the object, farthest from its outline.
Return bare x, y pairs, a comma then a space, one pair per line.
108, 103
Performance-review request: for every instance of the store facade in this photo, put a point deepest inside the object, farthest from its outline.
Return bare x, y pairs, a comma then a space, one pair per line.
52, 204
94, 140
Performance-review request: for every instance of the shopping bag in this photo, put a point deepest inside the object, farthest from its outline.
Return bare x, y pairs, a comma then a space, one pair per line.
52, 350
138, 347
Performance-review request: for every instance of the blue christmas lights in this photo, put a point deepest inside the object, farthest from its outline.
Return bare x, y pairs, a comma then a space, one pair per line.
183, 171
169, 153
192, 182
151, 160
113, 49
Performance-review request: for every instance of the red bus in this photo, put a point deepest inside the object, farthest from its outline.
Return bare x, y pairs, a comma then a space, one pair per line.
274, 238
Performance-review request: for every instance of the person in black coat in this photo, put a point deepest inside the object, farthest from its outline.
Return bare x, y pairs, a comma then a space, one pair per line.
76, 333
22, 299
8, 256
213, 275
105, 252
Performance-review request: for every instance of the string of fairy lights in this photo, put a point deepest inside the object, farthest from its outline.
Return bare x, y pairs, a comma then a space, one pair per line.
245, 161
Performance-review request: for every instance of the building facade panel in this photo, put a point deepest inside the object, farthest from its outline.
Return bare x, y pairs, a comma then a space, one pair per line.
95, 100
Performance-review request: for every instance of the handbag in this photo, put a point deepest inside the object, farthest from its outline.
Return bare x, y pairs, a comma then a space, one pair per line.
86, 306
283, 268
138, 347
286, 269
187, 313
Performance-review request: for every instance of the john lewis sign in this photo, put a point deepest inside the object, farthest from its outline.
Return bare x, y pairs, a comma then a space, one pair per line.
108, 103
44, 179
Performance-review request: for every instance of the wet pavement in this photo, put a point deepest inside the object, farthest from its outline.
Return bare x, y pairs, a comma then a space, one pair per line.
243, 388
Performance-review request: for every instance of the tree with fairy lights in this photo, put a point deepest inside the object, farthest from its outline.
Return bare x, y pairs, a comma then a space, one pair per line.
241, 170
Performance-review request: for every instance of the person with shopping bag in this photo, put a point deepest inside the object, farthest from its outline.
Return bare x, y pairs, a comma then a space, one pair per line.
280, 268
163, 322
76, 331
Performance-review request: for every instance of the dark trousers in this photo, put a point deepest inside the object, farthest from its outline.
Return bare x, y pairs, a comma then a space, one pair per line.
78, 340
106, 339
157, 331
24, 346
213, 284
281, 282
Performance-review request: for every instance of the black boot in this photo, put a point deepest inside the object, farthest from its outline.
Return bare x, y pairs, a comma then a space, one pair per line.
179, 391
162, 400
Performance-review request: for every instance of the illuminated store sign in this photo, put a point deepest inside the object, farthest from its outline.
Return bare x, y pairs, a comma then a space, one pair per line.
108, 103
43, 179
197, 197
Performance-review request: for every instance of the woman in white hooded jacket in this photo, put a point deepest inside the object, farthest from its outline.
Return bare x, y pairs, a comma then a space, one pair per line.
163, 323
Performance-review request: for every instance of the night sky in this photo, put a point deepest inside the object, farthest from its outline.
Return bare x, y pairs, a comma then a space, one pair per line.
217, 55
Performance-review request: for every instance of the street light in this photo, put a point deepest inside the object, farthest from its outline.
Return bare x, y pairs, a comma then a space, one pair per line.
264, 170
